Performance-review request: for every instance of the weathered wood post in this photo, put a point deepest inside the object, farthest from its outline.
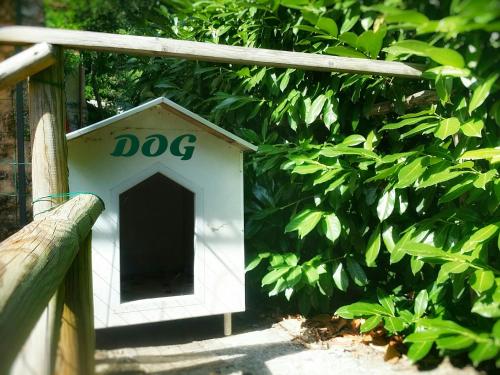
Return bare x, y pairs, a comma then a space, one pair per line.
49, 177
38, 258
75, 352
69, 314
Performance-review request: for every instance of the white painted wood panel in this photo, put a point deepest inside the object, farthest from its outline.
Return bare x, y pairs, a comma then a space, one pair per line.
214, 174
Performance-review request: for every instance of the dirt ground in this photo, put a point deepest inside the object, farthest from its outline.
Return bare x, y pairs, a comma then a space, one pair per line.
197, 347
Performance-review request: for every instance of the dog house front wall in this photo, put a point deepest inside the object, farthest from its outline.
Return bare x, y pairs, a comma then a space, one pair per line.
213, 173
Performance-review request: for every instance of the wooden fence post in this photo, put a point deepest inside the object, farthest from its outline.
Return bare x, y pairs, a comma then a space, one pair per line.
50, 183
34, 262
75, 353
49, 177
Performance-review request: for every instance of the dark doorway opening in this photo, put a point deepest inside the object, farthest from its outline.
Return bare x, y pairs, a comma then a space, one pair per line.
156, 240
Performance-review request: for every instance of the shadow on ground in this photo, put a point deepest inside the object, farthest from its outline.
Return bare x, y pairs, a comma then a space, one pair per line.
221, 360
239, 359
176, 332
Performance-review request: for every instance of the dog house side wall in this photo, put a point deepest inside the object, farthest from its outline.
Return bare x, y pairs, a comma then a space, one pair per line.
214, 173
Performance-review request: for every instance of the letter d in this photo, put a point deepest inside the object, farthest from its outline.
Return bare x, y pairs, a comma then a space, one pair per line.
122, 143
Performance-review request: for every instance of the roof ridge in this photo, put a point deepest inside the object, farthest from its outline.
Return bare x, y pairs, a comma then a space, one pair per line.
178, 110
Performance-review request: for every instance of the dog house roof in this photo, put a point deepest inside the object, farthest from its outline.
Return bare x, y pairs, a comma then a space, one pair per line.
169, 105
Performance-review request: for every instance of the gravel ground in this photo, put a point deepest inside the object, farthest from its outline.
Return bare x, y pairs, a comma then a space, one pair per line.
276, 350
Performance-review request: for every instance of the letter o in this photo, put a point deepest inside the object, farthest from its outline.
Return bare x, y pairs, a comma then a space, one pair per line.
147, 146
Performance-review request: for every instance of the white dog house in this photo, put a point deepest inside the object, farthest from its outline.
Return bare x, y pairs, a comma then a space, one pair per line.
170, 243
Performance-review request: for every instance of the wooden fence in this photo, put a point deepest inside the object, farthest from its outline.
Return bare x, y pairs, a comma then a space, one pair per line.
33, 264
48, 262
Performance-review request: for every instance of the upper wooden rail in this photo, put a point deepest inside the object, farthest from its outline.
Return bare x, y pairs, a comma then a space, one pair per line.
33, 263
151, 46
26, 63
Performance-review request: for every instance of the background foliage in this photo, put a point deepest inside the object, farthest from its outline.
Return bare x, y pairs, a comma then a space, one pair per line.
397, 214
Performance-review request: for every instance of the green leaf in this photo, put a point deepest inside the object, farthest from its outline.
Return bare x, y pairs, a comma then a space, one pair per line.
482, 280
483, 351
421, 302
311, 273
308, 168
447, 127
422, 250
294, 277
304, 222
335, 184
291, 259
360, 309
370, 323
345, 52
496, 330
371, 41
256, 261
327, 176
277, 260
443, 56
356, 272
419, 350
278, 287
313, 112
393, 324
486, 307
330, 115
480, 236
391, 158
482, 153
411, 172
444, 87
440, 177
389, 236
483, 178
444, 327
252, 82
353, 140
349, 38
384, 173
446, 71
332, 226
450, 268
454, 342
349, 24
408, 47
373, 247
406, 122
457, 190
402, 202
472, 128
328, 25
340, 276
416, 265
422, 336
422, 129
446, 56
399, 250
386, 301
274, 275
405, 17
482, 91
385, 205
338, 150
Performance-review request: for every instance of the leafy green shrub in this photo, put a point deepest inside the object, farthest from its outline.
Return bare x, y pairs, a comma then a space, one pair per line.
346, 201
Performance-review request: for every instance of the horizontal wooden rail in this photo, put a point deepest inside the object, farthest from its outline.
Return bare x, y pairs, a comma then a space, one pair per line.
151, 46
26, 63
33, 263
